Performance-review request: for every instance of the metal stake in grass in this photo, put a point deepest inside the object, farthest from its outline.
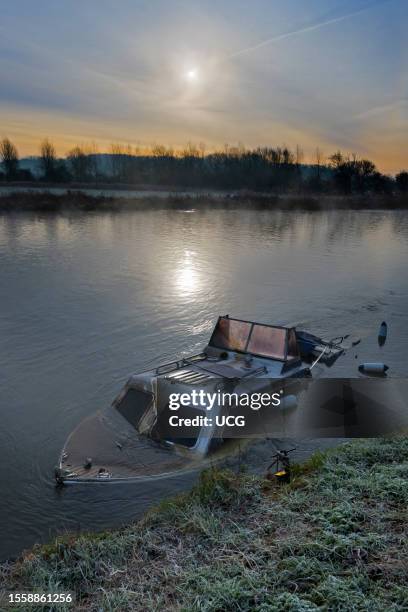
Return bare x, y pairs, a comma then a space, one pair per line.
281, 465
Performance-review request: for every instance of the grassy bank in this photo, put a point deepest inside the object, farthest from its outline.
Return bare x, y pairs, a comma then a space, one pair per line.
334, 539
80, 200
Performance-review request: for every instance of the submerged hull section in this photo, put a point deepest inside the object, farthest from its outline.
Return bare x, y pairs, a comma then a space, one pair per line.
106, 447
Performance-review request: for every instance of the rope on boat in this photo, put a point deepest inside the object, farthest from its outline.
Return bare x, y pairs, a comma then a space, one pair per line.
319, 357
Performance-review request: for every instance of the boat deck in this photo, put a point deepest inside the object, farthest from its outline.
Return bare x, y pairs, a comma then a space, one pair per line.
115, 447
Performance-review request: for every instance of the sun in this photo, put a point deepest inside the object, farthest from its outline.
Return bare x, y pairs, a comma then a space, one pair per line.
192, 74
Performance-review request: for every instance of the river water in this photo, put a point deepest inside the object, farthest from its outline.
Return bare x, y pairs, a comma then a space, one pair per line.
87, 299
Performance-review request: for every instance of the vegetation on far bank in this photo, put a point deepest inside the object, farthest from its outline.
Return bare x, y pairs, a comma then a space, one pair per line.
334, 539
82, 201
272, 169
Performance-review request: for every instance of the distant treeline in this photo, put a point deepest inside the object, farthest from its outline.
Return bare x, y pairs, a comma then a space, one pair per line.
275, 169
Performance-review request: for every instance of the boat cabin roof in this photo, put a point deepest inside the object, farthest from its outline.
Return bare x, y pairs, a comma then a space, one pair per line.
259, 339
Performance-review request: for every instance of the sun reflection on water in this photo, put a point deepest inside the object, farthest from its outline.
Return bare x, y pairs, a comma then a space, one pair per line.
187, 277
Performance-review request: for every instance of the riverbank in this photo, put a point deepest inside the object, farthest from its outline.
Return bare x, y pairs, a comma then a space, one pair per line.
17, 199
335, 538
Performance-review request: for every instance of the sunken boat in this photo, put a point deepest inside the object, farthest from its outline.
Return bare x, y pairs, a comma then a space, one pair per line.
131, 439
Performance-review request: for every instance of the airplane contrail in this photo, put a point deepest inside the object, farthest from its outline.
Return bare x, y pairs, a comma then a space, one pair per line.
310, 28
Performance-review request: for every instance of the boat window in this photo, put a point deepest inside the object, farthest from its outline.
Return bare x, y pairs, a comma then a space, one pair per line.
231, 335
134, 405
293, 349
268, 341
186, 435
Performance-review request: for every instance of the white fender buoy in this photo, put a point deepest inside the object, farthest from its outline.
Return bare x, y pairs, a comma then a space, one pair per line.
373, 368
88, 463
382, 333
288, 402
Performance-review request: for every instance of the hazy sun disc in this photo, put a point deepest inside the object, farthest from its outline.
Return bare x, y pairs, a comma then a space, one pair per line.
191, 75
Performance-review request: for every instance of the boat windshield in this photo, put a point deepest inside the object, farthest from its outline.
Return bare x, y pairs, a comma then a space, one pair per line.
231, 335
263, 340
268, 341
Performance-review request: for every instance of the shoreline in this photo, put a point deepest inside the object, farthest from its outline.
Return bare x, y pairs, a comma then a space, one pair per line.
55, 199
240, 540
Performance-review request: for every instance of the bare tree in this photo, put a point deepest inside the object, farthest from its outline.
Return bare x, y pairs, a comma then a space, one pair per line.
92, 152
366, 167
190, 151
48, 159
116, 153
202, 148
122, 161
343, 167
9, 158
319, 157
299, 155
158, 151
288, 157
337, 160
78, 163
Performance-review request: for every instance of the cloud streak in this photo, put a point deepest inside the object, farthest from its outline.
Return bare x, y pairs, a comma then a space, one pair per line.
385, 108
310, 28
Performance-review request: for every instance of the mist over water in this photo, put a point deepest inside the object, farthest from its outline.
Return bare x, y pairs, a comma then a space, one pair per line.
86, 299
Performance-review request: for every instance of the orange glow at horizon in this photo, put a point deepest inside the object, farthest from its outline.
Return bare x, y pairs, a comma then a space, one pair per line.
26, 129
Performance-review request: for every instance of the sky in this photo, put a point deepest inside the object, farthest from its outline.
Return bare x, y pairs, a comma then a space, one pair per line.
323, 73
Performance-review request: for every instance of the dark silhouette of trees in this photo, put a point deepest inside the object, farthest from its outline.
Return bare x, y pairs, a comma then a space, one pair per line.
314, 181
380, 183
271, 169
9, 158
78, 164
122, 163
319, 162
162, 165
48, 160
356, 175
93, 159
364, 171
402, 181
343, 171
